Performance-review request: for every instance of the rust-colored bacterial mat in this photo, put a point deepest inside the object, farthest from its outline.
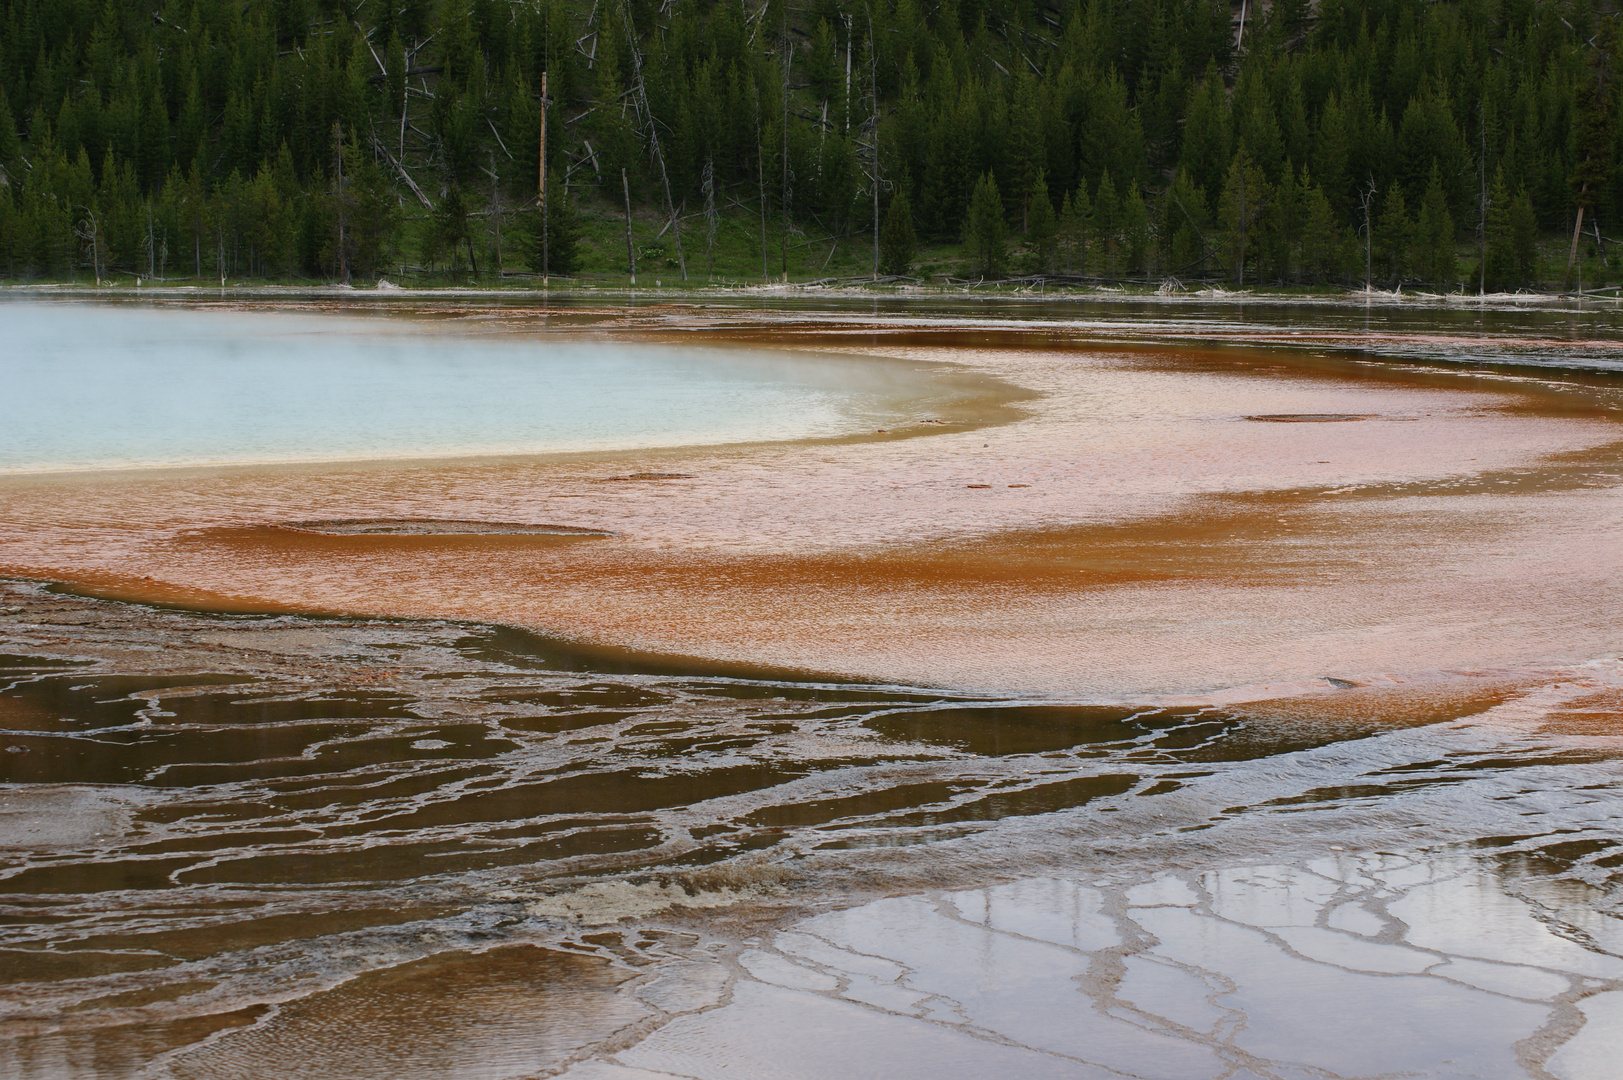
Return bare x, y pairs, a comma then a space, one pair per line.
1167, 690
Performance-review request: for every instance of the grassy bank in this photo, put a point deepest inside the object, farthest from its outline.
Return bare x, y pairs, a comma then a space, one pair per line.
731, 253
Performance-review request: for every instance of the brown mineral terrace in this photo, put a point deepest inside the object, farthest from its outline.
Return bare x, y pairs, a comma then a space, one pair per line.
1109, 511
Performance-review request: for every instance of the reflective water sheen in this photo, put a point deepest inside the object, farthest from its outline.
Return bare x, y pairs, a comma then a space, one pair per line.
1144, 710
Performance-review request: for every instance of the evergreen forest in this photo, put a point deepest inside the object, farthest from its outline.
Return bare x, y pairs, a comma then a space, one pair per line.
1453, 144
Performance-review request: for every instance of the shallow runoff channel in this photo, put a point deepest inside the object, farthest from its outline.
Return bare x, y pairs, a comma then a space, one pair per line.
1258, 717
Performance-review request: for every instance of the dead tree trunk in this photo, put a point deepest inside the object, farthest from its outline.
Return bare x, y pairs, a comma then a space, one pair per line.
653, 137
631, 250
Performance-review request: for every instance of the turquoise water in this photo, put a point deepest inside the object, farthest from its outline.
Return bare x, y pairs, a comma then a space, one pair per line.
91, 387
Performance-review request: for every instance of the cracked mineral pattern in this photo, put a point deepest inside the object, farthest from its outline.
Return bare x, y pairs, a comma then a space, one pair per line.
238, 841
1366, 965
267, 845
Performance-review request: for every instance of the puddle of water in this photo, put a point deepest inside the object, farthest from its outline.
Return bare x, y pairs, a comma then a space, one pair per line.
1029, 729
1345, 965
102, 387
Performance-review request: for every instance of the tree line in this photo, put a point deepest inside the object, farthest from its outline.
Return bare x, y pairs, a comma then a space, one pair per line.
1309, 142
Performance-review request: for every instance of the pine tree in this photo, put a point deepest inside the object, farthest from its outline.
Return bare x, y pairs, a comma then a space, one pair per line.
1075, 228
1429, 139
154, 141
1523, 228
8, 232
1255, 125
1280, 231
1112, 139
1595, 144
11, 150
262, 235
1186, 223
985, 231
191, 128
1163, 111
1394, 234
1319, 239
563, 235
1500, 271
897, 242
1294, 125
1206, 133
1042, 240
284, 178
450, 232
1135, 230
1107, 227
1434, 234
1331, 154
1025, 145
823, 63
1245, 196
394, 74
1146, 94
1291, 17
374, 211
118, 200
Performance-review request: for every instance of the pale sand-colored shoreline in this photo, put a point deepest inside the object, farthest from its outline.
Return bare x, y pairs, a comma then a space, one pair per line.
1130, 531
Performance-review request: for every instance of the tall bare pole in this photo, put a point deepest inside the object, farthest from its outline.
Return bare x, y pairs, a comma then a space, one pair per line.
546, 260
338, 172
788, 59
1366, 199
760, 178
709, 176
631, 251
496, 214
848, 46
653, 138
546, 218
873, 89
1482, 227
1577, 232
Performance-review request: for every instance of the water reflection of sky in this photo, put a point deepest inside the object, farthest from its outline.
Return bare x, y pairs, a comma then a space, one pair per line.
103, 387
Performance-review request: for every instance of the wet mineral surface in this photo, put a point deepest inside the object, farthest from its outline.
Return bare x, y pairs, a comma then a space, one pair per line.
1238, 708
265, 845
